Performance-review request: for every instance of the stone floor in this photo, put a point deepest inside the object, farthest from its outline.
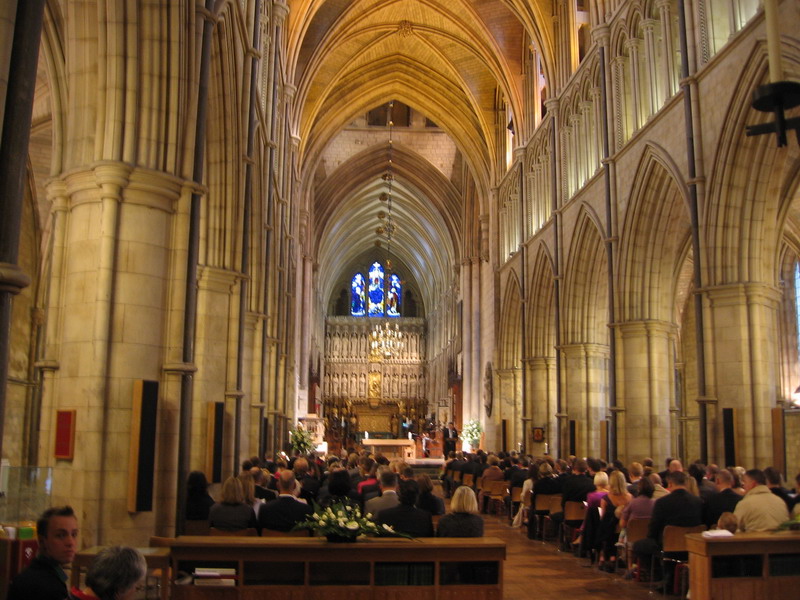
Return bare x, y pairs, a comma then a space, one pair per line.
536, 570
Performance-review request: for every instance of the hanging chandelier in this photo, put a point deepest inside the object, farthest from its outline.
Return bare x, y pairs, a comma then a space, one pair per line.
387, 227
386, 341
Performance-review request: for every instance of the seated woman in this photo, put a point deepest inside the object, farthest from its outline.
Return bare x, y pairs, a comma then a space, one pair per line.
249, 492
198, 501
463, 519
492, 473
427, 500
368, 469
640, 507
611, 507
116, 573
232, 514
338, 488
588, 529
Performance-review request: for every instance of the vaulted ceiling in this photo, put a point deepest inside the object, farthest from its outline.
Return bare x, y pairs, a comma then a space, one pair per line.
449, 60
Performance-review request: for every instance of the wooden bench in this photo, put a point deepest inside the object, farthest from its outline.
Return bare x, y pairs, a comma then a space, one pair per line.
370, 568
745, 565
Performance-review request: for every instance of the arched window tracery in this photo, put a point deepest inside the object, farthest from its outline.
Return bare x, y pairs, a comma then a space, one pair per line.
376, 295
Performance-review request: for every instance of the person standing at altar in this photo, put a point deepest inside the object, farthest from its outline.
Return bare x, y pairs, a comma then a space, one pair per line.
450, 438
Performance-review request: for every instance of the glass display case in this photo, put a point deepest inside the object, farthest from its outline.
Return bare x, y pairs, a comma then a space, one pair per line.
24, 493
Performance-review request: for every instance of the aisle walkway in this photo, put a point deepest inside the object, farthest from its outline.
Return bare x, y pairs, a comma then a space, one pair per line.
536, 570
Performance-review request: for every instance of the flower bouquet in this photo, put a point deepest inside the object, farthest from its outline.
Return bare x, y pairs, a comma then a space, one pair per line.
301, 440
472, 432
344, 522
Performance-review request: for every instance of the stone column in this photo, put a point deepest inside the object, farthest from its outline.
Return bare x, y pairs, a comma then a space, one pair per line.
107, 315
542, 400
507, 405
215, 355
585, 394
637, 107
477, 341
466, 333
646, 374
743, 370
667, 67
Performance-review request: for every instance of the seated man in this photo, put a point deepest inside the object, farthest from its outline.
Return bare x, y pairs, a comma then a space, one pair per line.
44, 579
574, 488
760, 509
679, 508
724, 501
388, 497
406, 518
283, 513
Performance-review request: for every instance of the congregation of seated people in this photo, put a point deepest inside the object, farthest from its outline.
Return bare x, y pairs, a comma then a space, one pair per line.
271, 497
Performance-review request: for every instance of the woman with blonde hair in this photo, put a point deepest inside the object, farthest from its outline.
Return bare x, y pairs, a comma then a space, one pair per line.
463, 519
249, 492
611, 506
232, 514
593, 500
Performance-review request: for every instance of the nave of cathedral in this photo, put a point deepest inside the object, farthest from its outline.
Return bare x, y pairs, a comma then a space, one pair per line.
552, 209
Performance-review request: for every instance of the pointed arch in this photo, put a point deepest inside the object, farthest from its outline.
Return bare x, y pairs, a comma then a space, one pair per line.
586, 284
222, 220
657, 227
748, 189
540, 295
510, 339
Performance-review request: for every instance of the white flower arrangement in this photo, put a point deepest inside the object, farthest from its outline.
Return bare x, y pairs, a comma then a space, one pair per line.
344, 520
301, 440
472, 432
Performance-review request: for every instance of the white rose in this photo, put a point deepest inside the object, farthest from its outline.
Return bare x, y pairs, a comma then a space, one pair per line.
352, 526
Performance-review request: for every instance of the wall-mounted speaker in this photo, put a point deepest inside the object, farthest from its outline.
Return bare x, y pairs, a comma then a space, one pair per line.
143, 446
215, 420
729, 436
573, 437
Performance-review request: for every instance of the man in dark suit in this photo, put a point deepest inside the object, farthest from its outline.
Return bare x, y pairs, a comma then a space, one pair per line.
283, 513
44, 578
406, 518
574, 488
450, 437
261, 491
725, 500
679, 508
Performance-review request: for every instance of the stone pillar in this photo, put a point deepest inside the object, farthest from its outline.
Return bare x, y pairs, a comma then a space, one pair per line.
214, 356
667, 68
106, 320
507, 406
466, 337
542, 401
476, 372
646, 390
743, 370
585, 394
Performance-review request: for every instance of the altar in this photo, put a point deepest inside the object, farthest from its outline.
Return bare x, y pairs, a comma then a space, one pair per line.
390, 448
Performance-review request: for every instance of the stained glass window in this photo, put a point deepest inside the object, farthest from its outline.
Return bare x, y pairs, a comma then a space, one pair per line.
393, 298
358, 296
376, 290
376, 295
797, 301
